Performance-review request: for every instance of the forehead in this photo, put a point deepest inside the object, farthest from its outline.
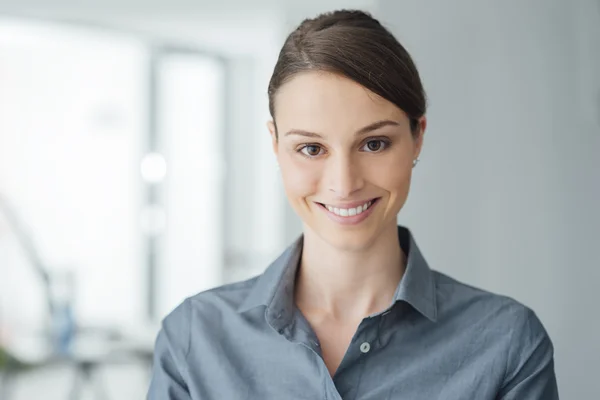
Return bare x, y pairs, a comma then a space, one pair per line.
325, 102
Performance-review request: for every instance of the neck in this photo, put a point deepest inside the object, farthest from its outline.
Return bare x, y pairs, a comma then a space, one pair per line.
349, 285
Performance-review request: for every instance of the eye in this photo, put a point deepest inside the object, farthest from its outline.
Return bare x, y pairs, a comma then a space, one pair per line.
375, 146
311, 150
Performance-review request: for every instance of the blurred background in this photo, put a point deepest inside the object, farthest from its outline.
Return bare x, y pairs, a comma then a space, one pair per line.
136, 170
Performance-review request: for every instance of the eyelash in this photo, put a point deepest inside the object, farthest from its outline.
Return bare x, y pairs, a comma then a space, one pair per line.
384, 141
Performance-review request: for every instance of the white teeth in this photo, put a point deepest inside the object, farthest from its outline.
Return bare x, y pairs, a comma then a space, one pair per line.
349, 212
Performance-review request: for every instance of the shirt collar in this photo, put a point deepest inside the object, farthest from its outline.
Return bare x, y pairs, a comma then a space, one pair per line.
417, 286
275, 287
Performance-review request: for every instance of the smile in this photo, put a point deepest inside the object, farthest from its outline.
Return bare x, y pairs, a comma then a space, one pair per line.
351, 213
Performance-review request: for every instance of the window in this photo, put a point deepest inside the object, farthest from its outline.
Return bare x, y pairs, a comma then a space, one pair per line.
111, 154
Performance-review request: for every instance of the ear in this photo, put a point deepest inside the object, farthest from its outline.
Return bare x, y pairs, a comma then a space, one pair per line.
419, 138
273, 131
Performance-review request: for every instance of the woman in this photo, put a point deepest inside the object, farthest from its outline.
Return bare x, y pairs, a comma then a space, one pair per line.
351, 310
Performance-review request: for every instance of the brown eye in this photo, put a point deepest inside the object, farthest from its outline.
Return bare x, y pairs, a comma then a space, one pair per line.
375, 146
311, 150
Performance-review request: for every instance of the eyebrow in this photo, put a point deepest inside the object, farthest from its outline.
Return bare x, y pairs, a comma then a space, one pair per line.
362, 131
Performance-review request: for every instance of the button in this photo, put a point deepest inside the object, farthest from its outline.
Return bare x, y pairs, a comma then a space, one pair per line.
365, 347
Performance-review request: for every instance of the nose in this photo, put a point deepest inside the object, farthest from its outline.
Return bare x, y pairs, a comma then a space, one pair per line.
343, 176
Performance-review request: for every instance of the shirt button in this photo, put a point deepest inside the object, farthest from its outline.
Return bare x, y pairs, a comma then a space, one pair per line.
365, 347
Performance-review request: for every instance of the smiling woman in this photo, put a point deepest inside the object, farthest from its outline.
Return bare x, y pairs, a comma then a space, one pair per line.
351, 309
343, 146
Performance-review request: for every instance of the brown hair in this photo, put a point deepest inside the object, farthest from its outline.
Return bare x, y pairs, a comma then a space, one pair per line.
353, 44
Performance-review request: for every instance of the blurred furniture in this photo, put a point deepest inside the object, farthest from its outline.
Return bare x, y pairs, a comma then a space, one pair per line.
85, 349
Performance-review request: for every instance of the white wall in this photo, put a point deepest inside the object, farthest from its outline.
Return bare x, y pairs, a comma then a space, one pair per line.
190, 114
70, 136
506, 194
249, 40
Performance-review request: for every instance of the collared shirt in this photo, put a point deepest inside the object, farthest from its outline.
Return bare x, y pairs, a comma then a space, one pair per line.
439, 339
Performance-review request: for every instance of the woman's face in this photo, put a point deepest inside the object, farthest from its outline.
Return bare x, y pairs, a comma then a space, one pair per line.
345, 155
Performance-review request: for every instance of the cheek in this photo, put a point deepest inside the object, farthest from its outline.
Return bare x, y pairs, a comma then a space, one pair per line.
392, 174
395, 170
300, 177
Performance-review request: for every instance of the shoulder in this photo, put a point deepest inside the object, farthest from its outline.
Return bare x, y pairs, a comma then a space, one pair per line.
453, 295
221, 299
204, 309
225, 297
511, 326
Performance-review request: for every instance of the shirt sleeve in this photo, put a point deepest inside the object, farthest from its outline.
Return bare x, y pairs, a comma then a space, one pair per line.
170, 353
530, 367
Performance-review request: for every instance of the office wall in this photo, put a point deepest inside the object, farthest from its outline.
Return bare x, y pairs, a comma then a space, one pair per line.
70, 136
507, 191
248, 40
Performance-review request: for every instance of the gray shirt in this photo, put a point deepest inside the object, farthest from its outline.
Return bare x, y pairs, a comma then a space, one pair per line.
440, 339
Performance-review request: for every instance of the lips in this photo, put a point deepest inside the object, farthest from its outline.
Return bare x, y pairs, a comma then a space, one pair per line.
349, 210
349, 213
